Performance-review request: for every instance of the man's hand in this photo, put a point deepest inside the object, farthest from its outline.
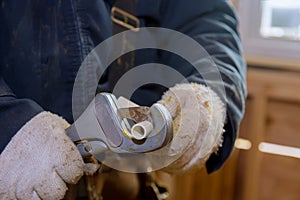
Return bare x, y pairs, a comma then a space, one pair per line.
198, 120
39, 161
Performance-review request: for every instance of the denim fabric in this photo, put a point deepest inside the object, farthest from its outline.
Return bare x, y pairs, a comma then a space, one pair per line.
43, 43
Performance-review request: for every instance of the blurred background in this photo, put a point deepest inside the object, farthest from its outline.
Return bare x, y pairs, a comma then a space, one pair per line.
265, 164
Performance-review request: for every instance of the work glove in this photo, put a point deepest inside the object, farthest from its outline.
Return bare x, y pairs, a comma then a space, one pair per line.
39, 161
198, 119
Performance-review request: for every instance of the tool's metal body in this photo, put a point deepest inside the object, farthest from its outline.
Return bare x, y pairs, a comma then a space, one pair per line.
104, 127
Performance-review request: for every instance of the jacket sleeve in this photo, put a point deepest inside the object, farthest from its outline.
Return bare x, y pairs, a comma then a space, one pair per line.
14, 113
213, 24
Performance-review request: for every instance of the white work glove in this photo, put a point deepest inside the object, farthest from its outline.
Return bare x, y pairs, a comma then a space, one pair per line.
198, 120
39, 161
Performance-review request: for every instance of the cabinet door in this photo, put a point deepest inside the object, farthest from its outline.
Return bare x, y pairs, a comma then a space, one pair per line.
271, 168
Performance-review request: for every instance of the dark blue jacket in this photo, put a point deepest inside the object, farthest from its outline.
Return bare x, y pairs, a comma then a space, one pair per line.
43, 44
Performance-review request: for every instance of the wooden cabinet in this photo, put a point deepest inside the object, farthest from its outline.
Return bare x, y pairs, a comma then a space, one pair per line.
271, 169
272, 126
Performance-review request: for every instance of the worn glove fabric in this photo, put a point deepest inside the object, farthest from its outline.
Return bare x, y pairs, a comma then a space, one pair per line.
39, 161
198, 120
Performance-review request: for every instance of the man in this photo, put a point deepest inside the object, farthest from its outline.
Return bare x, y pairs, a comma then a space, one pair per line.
43, 44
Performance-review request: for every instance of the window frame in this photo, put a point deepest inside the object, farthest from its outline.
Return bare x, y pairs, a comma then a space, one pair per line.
255, 45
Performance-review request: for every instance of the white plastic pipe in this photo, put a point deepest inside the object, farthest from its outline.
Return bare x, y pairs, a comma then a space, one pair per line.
141, 130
